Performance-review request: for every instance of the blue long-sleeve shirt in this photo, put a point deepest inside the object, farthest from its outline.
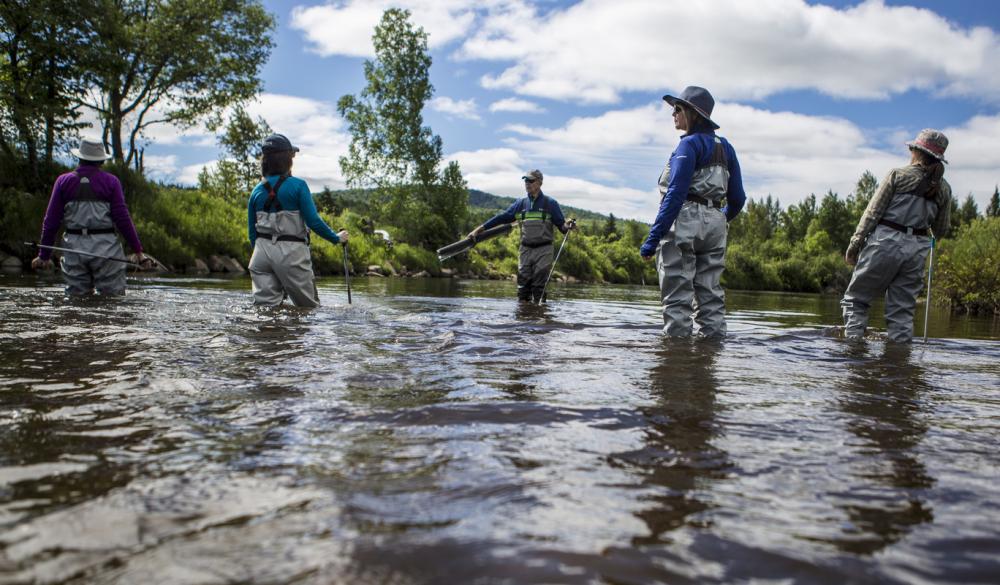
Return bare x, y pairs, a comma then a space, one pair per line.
294, 195
529, 204
694, 151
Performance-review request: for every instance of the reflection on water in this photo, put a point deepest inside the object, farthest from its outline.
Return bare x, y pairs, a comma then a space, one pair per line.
678, 455
436, 431
884, 397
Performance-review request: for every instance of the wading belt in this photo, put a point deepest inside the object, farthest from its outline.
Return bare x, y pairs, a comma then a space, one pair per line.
89, 232
701, 200
84, 192
272, 204
903, 228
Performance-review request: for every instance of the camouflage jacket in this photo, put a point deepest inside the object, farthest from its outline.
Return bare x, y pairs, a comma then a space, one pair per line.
901, 180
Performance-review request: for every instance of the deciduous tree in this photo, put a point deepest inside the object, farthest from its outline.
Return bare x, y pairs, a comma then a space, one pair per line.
391, 151
174, 61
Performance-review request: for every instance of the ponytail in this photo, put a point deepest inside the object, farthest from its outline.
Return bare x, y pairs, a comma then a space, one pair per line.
934, 169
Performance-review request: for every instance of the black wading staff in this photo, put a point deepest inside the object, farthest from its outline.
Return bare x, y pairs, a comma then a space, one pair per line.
347, 275
80, 253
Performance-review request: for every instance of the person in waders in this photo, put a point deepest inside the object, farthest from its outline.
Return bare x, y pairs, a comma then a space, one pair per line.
538, 214
890, 245
280, 214
90, 205
688, 235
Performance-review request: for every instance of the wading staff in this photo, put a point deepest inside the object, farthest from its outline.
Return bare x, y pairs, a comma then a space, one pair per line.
553, 269
347, 275
81, 253
927, 303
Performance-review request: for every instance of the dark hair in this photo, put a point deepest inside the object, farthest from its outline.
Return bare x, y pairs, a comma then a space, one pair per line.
91, 163
696, 122
935, 168
276, 163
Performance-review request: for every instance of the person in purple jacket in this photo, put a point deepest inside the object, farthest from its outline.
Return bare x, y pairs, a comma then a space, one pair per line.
88, 202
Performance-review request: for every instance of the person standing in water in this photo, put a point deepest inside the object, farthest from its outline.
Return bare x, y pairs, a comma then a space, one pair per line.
280, 214
689, 233
890, 245
538, 213
90, 205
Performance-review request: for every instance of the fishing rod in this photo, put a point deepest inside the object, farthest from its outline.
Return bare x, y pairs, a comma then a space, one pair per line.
82, 253
553, 269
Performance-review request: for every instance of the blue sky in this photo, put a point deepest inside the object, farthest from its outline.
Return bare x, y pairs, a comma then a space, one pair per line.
811, 94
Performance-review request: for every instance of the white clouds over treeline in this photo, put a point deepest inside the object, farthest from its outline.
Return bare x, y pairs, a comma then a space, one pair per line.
539, 56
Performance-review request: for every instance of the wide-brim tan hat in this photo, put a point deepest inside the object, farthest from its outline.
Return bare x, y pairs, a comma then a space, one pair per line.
91, 149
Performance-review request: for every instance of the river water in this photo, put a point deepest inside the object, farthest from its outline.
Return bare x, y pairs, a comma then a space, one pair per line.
435, 432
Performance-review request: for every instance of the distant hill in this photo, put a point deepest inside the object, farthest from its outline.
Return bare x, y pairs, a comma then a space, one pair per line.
482, 200
492, 202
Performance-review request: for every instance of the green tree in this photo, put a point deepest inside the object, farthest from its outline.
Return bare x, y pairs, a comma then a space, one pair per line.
954, 217
796, 219
993, 210
864, 190
969, 210
241, 142
834, 218
610, 229
391, 150
176, 62
44, 50
757, 223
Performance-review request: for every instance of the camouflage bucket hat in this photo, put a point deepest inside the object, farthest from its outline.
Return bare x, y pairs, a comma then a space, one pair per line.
932, 142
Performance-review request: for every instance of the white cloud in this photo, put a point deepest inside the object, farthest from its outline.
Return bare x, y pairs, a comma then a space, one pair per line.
738, 49
314, 126
516, 105
162, 167
465, 109
346, 27
974, 156
499, 171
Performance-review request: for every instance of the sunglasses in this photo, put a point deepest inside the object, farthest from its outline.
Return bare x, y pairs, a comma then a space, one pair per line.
678, 110
529, 181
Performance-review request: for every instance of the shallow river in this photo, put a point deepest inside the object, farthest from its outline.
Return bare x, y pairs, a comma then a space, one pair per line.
434, 432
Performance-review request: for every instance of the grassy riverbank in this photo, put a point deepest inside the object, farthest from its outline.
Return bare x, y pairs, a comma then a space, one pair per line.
796, 250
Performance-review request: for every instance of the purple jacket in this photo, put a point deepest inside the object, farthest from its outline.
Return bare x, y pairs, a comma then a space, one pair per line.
105, 186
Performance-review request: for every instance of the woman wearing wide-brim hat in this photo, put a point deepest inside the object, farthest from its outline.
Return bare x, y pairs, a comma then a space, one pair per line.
90, 205
892, 240
701, 189
281, 212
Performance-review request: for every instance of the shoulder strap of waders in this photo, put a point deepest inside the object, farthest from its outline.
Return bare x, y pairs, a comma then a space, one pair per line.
545, 207
272, 194
718, 157
84, 192
923, 188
